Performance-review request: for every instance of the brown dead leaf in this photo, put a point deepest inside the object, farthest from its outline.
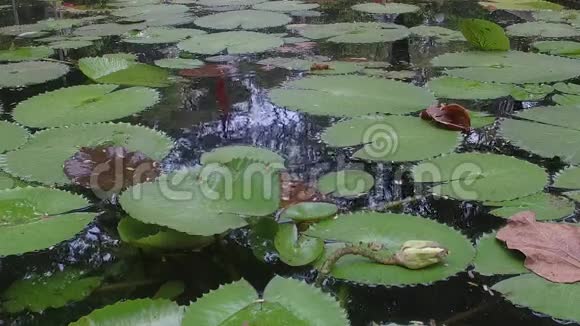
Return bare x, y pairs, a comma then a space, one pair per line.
319, 66
449, 116
552, 250
296, 191
208, 70
297, 48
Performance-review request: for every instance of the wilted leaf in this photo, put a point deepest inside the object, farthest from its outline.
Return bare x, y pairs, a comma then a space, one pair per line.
208, 70
450, 116
295, 191
484, 35
552, 250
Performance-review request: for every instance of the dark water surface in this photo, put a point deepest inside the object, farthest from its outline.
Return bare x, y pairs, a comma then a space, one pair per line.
189, 113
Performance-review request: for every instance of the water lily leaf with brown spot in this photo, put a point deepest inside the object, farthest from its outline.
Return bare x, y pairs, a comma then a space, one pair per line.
552, 249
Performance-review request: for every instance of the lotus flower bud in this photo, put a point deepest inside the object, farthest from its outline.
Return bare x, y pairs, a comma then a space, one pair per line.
416, 254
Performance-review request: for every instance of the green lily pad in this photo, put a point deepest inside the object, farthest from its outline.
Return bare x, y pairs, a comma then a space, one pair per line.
441, 34
227, 154
459, 88
108, 29
538, 294
30, 73
295, 249
568, 88
26, 225
391, 230
150, 9
83, 104
161, 35
16, 30
59, 24
484, 35
353, 32
285, 6
521, 5
12, 136
346, 183
544, 130
351, 96
546, 206
42, 158
39, 292
574, 195
8, 182
480, 176
26, 53
481, 119
542, 29
389, 8
150, 236
179, 63
238, 42
72, 44
223, 3
530, 92
135, 312
244, 19
309, 211
508, 67
566, 99
391, 138
556, 16
284, 302
568, 178
493, 258
562, 48
120, 71
335, 67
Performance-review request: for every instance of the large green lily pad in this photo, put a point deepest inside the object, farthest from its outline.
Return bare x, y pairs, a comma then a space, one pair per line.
244, 19
30, 73
547, 131
179, 63
30, 53
284, 302
546, 206
481, 176
494, 258
351, 96
227, 154
542, 29
530, 92
224, 3
353, 32
459, 88
135, 312
26, 225
40, 292
108, 29
568, 178
391, 138
440, 34
83, 104
238, 42
295, 249
391, 231
526, 5
346, 183
533, 292
150, 9
160, 35
508, 67
309, 211
72, 44
389, 8
285, 6
114, 70
567, 88
42, 158
12, 136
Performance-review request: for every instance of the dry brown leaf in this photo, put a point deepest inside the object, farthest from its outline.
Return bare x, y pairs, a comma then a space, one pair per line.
319, 66
552, 250
296, 191
450, 116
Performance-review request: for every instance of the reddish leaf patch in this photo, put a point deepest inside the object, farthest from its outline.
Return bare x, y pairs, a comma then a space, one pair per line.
208, 70
552, 250
296, 191
297, 48
319, 66
449, 116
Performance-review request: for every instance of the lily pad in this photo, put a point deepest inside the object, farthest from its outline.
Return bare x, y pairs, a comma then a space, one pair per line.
346, 183
392, 138
391, 231
220, 3
544, 130
353, 32
568, 88
521, 5
30, 73
351, 96
508, 67
459, 88
494, 258
284, 302
538, 294
9, 182
150, 9
135, 312
566, 100
227, 154
108, 29
161, 35
26, 222
42, 158
119, 71
179, 63
484, 35
562, 48
530, 92
285, 6
12, 136
238, 42
542, 29
295, 249
244, 19
26, 53
389, 8
72, 44
545, 206
150, 236
480, 176
441, 34
334, 67
309, 211
83, 104
39, 292
568, 178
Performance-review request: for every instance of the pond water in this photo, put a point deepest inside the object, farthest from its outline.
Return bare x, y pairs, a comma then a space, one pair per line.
235, 108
